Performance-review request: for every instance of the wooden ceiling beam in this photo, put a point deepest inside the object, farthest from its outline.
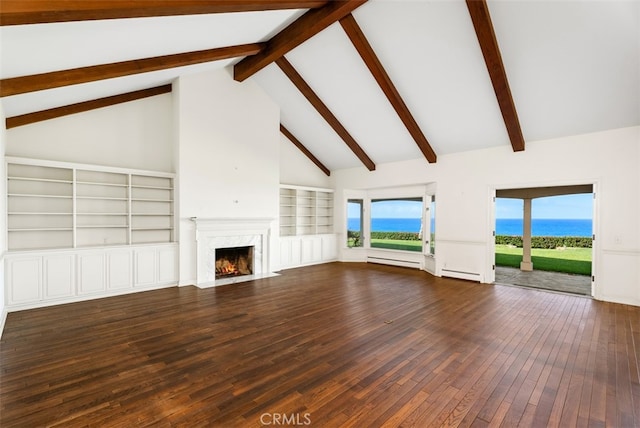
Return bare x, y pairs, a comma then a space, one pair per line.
305, 27
481, 19
21, 12
304, 150
39, 116
56, 79
544, 192
324, 111
368, 55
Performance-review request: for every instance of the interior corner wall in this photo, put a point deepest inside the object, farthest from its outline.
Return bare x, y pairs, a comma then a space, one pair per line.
228, 156
464, 241
297, 169
3, 222
137, 134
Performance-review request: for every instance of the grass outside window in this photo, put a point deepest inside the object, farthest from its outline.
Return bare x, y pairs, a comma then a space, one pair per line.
568, 260
575, 261
397, 244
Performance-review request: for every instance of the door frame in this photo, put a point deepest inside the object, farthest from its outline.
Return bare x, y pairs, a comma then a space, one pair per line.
595, 226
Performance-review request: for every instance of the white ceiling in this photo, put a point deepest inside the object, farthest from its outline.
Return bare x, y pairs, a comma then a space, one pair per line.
573, 68
40, 48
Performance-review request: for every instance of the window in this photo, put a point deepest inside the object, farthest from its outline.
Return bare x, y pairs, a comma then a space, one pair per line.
396, 224
432, 226
355, 223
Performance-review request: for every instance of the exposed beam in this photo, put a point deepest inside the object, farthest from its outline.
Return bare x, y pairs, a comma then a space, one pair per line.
303, 149
39, 116
544, 192
55, 79
21, 12
370, 58
479, 12
305, 27
324, 111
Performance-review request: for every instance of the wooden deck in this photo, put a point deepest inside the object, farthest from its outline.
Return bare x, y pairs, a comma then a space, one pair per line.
333, 345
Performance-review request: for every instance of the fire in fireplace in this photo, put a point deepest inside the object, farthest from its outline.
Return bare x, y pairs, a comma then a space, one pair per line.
235, 261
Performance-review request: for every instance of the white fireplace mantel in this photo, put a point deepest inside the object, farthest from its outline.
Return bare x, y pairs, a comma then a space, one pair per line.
212, 233
229, 224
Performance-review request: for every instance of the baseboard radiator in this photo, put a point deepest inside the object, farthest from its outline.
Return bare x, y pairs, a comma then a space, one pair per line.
393, 262
459, 274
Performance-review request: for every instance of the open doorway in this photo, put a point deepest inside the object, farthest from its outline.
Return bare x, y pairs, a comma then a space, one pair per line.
544, 238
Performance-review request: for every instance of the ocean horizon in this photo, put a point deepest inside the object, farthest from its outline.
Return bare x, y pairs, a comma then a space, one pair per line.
546, 227
504, 226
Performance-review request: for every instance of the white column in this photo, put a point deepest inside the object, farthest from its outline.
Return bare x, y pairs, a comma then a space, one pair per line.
526, 264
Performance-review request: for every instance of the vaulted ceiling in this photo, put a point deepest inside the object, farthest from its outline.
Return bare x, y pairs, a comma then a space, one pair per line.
359, 83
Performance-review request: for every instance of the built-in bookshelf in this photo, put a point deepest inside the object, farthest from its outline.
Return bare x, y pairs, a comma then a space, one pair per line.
39, 207
55, 205
287, 211
101, 214
324, 212
305, 211
151, 209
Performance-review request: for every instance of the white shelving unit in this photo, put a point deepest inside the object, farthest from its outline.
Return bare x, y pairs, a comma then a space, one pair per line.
305, 211
287, 211
80, 231
306, 226
39, 207
324, 212
151, 209
101, 215
71, 206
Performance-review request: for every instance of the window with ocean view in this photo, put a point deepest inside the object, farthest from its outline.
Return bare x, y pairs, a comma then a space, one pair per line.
432, 221
355, 223
397, 224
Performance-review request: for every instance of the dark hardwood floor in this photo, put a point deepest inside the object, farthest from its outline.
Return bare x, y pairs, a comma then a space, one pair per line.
329, 345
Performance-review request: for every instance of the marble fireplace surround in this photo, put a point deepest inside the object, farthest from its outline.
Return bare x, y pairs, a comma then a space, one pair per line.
212, 233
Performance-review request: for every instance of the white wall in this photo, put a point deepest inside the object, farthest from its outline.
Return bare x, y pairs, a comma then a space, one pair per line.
228, 144
137, 135
221, 137
465, 181
3, 221
297, 169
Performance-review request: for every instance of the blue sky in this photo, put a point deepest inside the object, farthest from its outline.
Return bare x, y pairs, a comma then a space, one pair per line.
352, 211
555, 207
390, 209
396, 209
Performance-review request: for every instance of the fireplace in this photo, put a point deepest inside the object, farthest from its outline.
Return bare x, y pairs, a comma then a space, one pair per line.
214, 236
236, 261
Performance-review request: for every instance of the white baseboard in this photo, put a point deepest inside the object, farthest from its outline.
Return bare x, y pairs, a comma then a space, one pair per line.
86, 297
393, 262
470, 276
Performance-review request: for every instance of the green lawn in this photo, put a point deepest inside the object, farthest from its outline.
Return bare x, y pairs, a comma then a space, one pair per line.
397, 244
569, 260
